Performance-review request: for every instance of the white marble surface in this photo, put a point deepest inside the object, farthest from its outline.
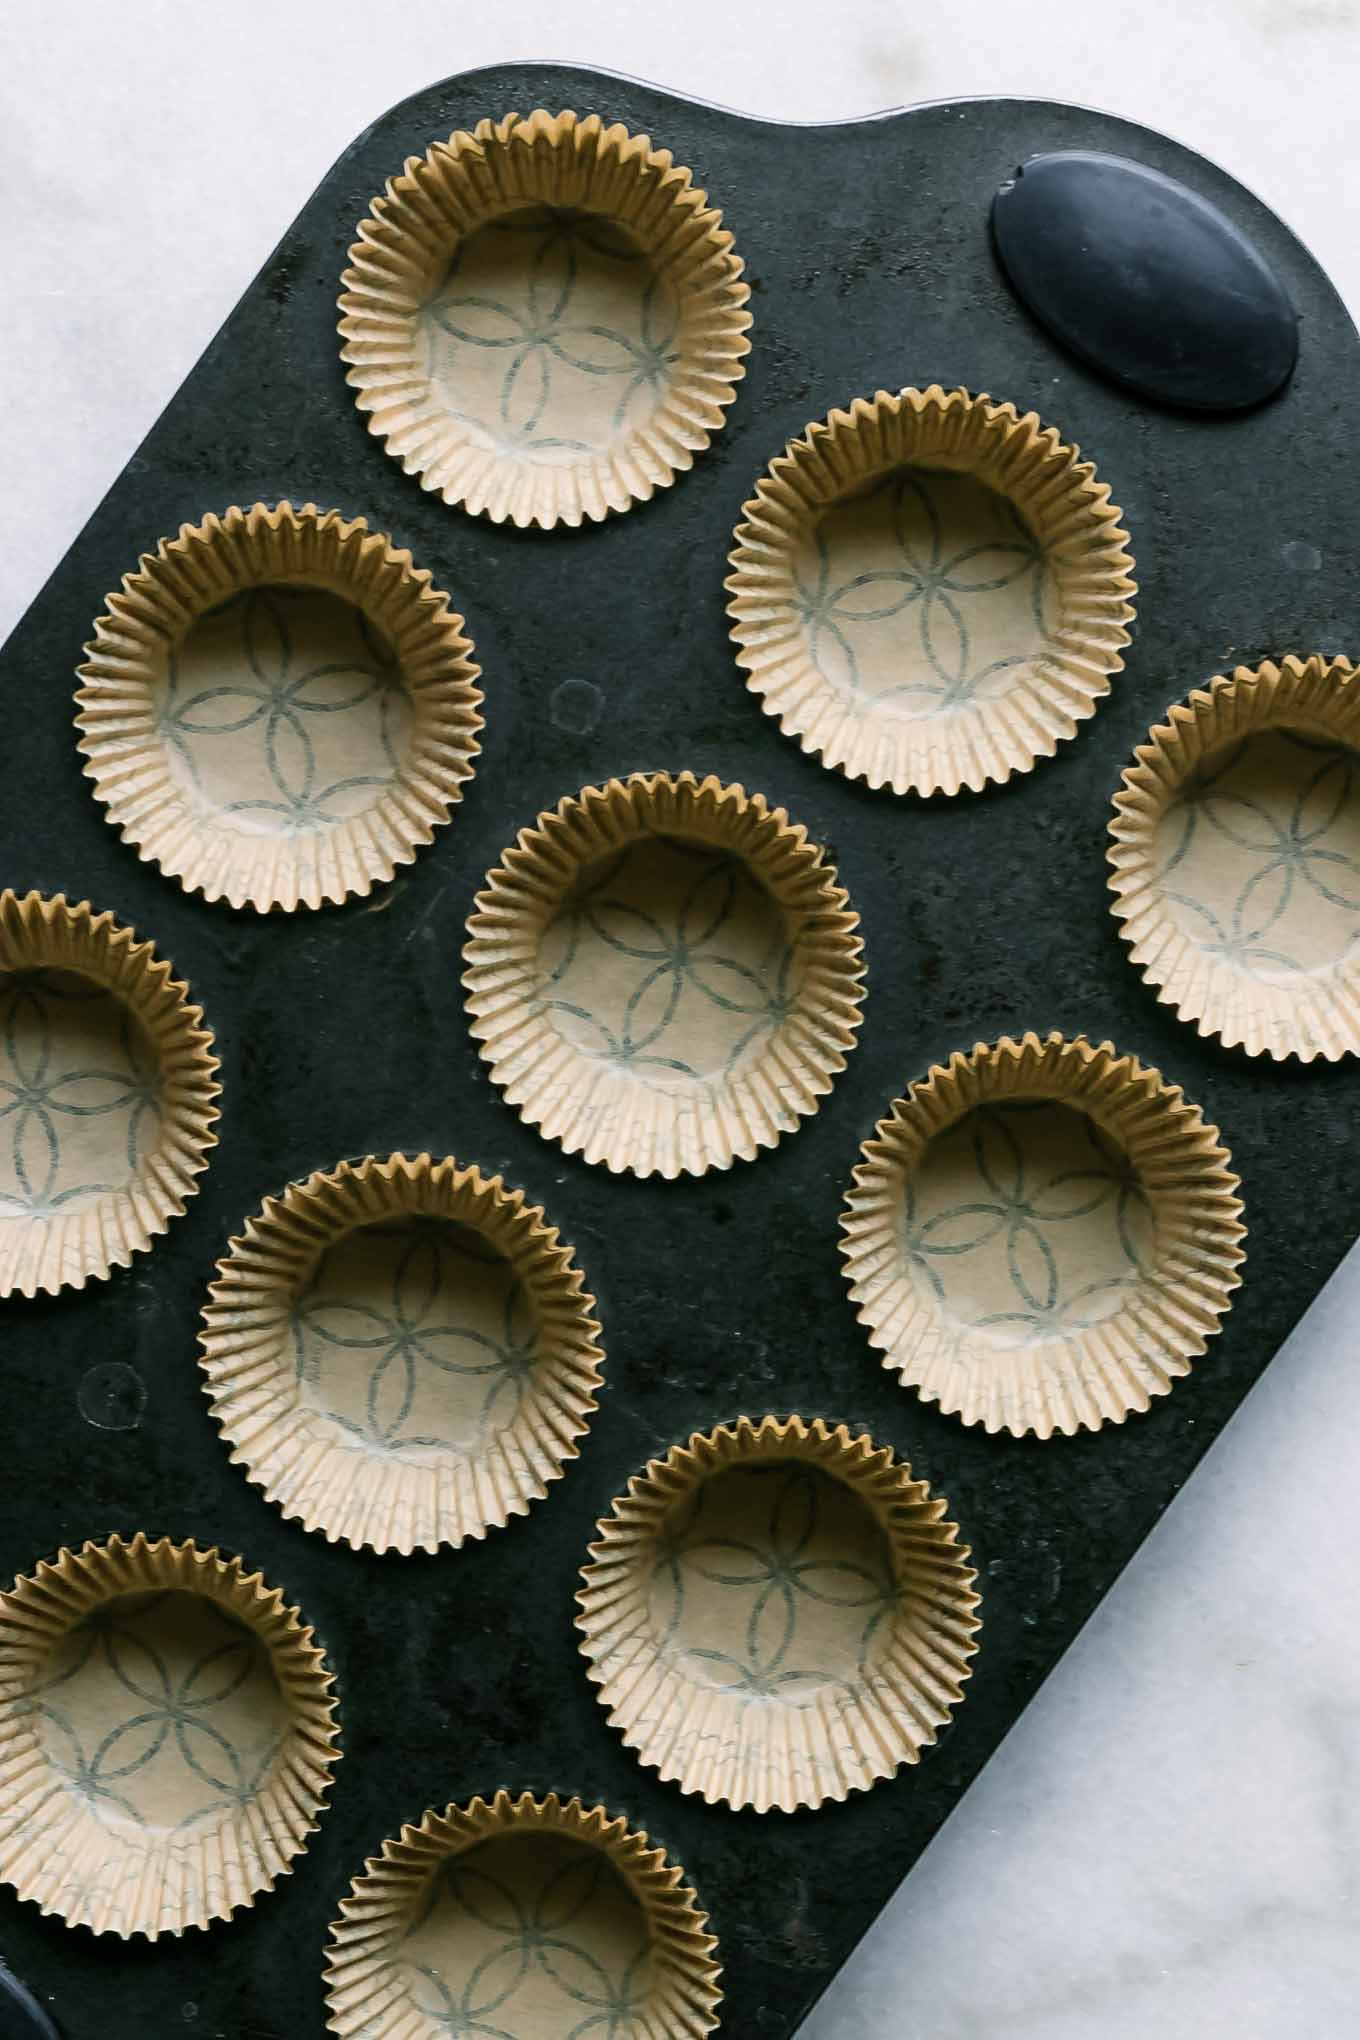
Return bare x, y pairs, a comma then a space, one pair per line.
1167, 1843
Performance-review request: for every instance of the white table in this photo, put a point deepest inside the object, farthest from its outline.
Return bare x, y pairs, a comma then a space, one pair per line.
1168, 1840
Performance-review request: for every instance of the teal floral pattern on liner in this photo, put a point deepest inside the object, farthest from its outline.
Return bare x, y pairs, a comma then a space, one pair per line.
527, 1937
401, 1353
522, 1919
777, 1614
788, 1568
1042, 1235
664, 974
108, 1085
669, 961
566, 338
1028, 1222
552, 335
1235, 854
285, 712
433, 1326
161, 1709
80, 1094
278, 707
930, 591
1261, 853
923, 594
167, 1735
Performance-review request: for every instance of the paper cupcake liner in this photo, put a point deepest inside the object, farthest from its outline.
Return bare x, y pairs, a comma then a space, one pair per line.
1236, 859
545, 320
930, 591
167, 1736
664, 974
541, 1917
107, 1090
401, 1353
278, 707
777, 1614
1042, 1235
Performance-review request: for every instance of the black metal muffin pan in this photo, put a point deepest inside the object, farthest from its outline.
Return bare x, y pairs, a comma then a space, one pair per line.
343, 1033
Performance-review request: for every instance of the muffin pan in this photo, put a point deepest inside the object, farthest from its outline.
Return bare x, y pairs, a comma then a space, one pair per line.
343, 1032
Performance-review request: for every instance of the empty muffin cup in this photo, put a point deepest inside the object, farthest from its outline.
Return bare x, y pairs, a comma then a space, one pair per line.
663, 974
1042, 1235
544, 319
523, 1919
777, 1614
930, 591
1235, 859
401, 1353
167, 1736
278, 707
108, 1086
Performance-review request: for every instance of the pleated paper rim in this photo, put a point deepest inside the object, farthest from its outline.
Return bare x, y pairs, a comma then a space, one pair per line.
47, 1839
48, 932
1107, 1370
1313, 1014
1047, 481
459, 185
529, 1060
295, 1458
695, 1740
365, 2001
167, 592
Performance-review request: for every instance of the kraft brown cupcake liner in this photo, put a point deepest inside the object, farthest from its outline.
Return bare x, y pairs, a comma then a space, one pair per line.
278, 707
663, 974
401, 1353
777, 1614
1235, 859
1042, 1235
167, 1736
545, 320
930, 591
524, 1917
108, 1085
